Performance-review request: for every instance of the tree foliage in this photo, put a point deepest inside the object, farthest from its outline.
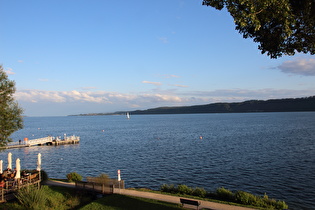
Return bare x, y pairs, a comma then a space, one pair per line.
11, 118
73, 177
281, 27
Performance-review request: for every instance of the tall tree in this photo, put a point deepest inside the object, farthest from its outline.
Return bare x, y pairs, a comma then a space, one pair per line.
281, 27
11, 118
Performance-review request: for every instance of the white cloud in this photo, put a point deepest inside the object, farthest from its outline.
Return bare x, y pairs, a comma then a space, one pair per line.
74, 101
163, 39
9, 71
300, 66
152, 83
235, 95
36, 96
103, 97
153, 98
167, 76
88, 88
43, 80
20, 61
177, 85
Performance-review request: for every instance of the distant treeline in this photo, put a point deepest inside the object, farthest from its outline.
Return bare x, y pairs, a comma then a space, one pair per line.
272, 105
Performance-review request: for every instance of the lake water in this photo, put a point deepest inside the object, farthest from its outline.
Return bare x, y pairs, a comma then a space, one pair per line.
271, 153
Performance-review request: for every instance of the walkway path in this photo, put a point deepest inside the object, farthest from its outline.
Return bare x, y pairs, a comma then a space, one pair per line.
161, 197
59, 183
175, 199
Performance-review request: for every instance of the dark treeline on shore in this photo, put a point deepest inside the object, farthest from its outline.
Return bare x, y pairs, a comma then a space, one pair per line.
272, 105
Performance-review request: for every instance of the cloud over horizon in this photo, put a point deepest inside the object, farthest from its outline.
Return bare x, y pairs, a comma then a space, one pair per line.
152, 83
305, 67
9, 71
92, 101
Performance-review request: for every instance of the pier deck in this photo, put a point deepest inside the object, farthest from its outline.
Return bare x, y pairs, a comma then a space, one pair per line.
46, 141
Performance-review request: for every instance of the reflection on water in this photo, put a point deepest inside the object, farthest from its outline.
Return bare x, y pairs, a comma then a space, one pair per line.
256, 152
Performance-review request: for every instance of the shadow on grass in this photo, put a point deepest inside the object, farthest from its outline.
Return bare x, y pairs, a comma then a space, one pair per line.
116, 202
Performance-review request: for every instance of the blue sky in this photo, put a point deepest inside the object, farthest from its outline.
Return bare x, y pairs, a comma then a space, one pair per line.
78, 56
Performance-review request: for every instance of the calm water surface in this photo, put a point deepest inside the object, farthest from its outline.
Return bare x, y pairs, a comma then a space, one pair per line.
271, 153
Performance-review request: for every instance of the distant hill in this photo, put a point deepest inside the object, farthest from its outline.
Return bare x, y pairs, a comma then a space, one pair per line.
273, 105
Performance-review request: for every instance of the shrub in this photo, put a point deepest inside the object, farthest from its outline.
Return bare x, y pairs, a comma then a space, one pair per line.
184, 189
254, 200
281, 205
246, 198
74, 176
55, 200
173, 189
169, 188
32, 197
164, 188
200, 192
224, 194
102, 179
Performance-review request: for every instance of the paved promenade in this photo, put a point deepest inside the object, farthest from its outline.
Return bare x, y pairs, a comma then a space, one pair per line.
161, 197
60, 183
175, 199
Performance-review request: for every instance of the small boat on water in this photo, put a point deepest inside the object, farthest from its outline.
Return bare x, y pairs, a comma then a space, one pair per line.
128, 115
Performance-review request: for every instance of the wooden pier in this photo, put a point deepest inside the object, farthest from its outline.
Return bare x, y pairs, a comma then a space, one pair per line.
46, 141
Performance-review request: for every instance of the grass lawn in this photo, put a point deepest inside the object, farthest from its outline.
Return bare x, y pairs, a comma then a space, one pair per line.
115, 202
56, 197
64, 198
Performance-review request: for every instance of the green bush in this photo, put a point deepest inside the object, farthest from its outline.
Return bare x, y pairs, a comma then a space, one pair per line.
32, 197
200, 192
281, 205
49, 198
224, 194
169, 188
254, 200
74, 176
227, 195
184, 189
246, 198
164, 188
103, 178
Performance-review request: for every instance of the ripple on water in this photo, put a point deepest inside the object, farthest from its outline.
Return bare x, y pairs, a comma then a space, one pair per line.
257, 152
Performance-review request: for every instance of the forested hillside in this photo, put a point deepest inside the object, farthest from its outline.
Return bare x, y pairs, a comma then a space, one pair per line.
273, 105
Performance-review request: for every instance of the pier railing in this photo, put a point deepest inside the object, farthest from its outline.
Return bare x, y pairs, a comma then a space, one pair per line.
44, 141
40, 141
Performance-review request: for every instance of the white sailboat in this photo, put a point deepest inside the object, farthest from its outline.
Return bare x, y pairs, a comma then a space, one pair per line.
128, 115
